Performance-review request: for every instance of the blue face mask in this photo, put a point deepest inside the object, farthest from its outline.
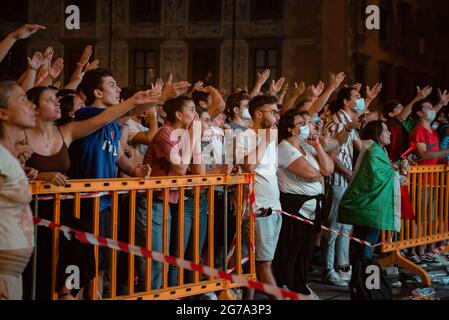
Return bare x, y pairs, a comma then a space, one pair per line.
431, 115
359, 105
316, 119
304, 134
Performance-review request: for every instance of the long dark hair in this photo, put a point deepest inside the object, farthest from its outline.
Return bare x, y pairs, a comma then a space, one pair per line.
66, 105
373, 131
34, 94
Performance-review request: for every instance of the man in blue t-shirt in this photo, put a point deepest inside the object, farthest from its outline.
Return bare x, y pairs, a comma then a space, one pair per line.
97, 155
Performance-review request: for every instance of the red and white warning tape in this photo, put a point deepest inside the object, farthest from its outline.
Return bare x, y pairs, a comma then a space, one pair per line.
366, 243
181, 263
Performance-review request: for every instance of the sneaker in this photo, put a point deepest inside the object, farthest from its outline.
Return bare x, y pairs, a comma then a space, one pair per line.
238, 293
312, 293
345, 276
392, 271
424, 262
438, 260
209, 296
332, 278
419, 261
396, 284
415, 259
431, 262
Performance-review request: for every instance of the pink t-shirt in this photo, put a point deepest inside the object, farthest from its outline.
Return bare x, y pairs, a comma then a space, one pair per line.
159, 157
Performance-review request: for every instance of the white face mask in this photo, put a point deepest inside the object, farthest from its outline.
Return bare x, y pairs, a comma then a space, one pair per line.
244, 114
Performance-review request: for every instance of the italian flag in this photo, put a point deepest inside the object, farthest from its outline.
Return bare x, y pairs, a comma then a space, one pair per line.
373, 198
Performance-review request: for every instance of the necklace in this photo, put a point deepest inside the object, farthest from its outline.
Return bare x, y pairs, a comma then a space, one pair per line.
44, 142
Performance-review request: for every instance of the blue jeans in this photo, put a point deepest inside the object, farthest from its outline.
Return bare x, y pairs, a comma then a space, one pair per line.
157, 234
362, 251
335, 247
188, 237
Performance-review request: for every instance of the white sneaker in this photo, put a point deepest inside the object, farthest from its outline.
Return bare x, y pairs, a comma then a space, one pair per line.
392, 271
209, 296
346, 276
333, 278
438, 259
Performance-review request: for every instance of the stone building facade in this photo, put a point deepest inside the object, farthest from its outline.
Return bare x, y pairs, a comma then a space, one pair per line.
192, 39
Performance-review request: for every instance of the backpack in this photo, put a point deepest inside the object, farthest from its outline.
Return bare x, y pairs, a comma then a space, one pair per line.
366, 269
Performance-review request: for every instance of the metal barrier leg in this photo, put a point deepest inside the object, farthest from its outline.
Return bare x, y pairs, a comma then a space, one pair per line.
396, 258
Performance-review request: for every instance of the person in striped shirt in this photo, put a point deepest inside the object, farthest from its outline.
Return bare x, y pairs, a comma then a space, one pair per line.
346, 111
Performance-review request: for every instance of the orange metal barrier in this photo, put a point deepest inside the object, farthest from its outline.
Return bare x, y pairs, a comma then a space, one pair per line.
428, 188
126, 191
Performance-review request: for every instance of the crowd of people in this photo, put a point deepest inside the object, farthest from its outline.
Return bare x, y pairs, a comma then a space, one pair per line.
333, 161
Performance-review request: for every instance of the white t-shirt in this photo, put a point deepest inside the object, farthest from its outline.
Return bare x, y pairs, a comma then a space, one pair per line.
291, 183
137, 151
16, 222
267, 190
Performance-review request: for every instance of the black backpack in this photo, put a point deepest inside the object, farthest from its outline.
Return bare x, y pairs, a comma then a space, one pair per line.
361, 289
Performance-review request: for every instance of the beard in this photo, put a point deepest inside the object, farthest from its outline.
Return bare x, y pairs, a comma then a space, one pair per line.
266, 124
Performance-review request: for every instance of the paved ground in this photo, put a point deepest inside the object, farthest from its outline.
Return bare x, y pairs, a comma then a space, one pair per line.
408, 284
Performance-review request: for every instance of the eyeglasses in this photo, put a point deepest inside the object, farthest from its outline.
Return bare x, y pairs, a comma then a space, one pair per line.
301, 124
53, 99
273, 112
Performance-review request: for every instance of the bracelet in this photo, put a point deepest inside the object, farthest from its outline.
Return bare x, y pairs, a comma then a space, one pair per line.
80, 64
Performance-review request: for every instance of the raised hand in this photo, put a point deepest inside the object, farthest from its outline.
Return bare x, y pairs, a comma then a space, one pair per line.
299, 88
357, 86
275, 87
423, 93
444, 97
36, 61
284, 90
92, 65
262, 77
84, 59
174, 90
158, 85
56, 68
336, 80
48, 55
314, 92
209, 89
26, 31
373, 93
149, 97
198, 86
